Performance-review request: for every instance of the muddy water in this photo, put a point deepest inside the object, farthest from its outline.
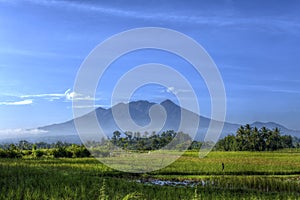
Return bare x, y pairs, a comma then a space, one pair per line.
188, 183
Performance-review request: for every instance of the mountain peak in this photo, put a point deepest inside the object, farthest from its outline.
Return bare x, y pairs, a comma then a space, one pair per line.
140, 102
166, 102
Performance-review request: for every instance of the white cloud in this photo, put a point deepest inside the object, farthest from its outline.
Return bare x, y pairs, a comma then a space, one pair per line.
42, 95
74, 96
67, 95
20, 132
24, 102
171, 90
49, 97
175, 91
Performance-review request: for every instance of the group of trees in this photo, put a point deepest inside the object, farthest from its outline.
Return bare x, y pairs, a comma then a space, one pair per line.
137, 141
130, 141
26, 145
249, 138
36, 150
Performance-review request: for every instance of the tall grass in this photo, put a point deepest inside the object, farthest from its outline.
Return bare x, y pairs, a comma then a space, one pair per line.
247, 175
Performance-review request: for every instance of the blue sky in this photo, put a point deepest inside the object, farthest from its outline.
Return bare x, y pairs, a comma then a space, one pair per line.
255, 45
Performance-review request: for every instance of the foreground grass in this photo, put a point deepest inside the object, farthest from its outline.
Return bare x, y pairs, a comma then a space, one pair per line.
237, 163
247, 175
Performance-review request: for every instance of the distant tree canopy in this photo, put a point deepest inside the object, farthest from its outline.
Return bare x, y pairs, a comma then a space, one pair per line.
135, 141
248, 138
42, 149
146, 142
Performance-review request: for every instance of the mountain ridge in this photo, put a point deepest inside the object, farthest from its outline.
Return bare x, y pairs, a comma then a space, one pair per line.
139, 112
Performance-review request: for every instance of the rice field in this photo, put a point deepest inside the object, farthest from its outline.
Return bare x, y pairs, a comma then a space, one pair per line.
246, 175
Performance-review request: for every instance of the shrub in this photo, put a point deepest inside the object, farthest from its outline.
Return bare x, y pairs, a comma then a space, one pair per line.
38, 153
61, 152
3, 154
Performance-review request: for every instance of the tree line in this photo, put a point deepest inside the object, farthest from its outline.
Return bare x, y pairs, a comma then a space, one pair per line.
249, 138
42, 149
146, 142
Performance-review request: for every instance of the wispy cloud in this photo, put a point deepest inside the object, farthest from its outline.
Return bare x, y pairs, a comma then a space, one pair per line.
68, 95
17, 103
175, 91
19, 132
49, 97
86, 7
274, 23
42, 95
36, 53
286, 91
221, 19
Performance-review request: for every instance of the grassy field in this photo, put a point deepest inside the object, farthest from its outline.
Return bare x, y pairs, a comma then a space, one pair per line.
247, 175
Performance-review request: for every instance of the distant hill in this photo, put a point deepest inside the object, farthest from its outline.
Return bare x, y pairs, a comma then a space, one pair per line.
272, 125
139, 111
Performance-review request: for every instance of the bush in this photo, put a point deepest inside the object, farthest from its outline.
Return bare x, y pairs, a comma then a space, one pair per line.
13, 154
81, 152
27, 152
3, 154
38, 153
61, 152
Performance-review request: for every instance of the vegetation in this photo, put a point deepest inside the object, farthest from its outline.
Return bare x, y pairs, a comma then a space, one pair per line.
135, 141
258, 164
247, 175
58, 150
252, 139
131, 141
246, 139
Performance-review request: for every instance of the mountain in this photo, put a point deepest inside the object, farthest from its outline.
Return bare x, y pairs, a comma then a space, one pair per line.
139, 112
272, 125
